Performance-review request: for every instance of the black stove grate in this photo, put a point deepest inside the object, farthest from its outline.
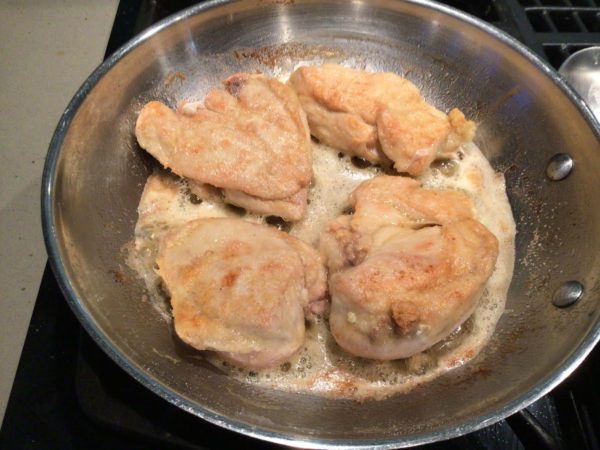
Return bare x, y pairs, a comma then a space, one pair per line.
562, 27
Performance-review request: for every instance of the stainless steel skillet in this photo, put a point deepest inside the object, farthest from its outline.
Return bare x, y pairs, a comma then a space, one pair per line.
95, 172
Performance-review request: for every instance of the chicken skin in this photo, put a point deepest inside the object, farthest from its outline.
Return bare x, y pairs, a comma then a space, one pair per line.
240, 289
400, 201
406, 279
378, 117
251, 138
290, 209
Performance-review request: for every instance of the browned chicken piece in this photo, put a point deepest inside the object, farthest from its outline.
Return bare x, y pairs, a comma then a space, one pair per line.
290, 209
251, 138
159, 209
401, 201
315, 276
204, 191
240, 289
413, 291
342, 130
378, 117
404, 281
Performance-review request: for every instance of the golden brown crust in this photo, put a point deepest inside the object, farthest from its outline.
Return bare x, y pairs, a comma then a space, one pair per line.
407, 267
240, 288
255, 141
377, 116
406, 317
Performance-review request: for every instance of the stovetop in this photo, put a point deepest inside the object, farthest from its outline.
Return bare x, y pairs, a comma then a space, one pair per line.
68, 394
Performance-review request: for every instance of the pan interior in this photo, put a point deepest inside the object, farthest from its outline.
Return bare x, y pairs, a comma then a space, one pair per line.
524, 118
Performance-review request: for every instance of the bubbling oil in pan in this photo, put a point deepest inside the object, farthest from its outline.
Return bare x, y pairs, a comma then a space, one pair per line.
321, 367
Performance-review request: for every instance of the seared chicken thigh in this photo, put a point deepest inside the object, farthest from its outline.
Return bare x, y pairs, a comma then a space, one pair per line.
412, 291
406, 269
377, 116
291, 209
240, 289
400, 201
251, 139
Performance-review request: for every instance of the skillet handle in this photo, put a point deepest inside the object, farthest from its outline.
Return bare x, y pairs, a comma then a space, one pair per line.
531, 433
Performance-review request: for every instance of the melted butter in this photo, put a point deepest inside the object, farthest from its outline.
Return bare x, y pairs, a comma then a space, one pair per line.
321, 367
334, 179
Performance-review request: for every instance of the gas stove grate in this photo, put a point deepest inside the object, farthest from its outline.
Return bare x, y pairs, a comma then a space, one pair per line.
562, 27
